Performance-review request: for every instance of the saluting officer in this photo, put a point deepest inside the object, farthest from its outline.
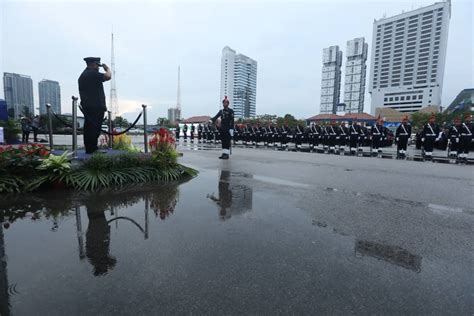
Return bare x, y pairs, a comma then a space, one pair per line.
466, 137
402, 135
226, 127
91, 91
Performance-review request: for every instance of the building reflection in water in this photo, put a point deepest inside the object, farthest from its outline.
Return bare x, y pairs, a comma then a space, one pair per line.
391, 254
234, 197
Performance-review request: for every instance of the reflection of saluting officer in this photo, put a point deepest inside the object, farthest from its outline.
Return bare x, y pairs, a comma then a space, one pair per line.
98, 241
225, 195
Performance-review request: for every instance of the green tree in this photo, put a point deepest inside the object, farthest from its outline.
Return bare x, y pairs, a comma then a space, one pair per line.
120, 122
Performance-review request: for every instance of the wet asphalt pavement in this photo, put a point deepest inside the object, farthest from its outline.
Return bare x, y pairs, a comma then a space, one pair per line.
263, 233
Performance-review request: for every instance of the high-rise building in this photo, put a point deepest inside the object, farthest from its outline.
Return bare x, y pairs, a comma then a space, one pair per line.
354, 82
239, 82
174, 115
49, 92
331, 79
408, 57
18, 90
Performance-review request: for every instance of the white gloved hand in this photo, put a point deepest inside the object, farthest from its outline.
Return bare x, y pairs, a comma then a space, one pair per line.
397, 139
423, 139
231, 132
457, 139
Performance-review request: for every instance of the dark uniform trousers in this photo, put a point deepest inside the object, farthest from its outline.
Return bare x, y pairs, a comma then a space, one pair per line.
428, 144
402, 143
92, 125
225, 137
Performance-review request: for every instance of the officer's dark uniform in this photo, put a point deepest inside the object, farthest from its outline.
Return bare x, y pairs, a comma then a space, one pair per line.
402, 135
378, 136
176, 132
185, 132
353, 131
227, 124
199, 133
466, 137
428, 136
91, 91
193, 130
454, 136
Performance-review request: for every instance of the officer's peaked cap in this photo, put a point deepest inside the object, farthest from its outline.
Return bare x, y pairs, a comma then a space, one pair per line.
90, 60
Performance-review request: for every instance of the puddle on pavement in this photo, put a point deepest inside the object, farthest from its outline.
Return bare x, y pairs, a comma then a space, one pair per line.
172, 245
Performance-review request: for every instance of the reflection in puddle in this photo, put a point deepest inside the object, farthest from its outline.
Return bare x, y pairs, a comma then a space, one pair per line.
234, 198
162, 199
391, 254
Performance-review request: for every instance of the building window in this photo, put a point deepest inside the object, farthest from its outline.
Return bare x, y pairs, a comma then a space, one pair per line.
420, 97
408, 97
402, 98
391, 99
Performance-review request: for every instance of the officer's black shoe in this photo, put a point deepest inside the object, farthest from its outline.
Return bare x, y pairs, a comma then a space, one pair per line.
224, 156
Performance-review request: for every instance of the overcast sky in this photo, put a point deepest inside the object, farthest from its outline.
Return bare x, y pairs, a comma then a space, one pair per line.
48, 39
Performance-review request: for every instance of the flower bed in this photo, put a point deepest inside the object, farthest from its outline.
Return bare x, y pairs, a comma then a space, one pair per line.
32, 167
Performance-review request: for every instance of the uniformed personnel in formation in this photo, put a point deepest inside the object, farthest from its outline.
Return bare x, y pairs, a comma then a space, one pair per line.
454, 135
402, 135
91, 91
466, 136
335, 137
429, 135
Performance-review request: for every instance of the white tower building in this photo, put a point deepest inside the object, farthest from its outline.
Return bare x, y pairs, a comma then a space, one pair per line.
408, 58
331, 79
354, 82
239, 82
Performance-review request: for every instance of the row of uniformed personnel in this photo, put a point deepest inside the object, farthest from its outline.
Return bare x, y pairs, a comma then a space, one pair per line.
335, 136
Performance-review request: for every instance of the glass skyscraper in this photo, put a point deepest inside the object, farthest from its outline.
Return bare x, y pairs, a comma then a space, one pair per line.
18, 90
49, 92
331, 79
239, 82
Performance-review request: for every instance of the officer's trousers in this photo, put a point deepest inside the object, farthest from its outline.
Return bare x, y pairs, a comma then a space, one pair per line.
92, 125
402, 143
465, 144
429, 144
225, 137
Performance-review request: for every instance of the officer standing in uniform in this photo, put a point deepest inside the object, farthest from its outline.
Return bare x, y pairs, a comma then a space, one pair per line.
193, 130
377, 133
454, 135
353, 137
466, 137
332, 137
226, 127
199, 132
91, 91
185, 132
402, 135
176, 132
428, 136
